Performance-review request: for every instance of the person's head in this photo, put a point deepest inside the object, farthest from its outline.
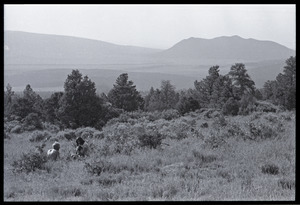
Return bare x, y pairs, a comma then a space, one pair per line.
56, 146
79, 141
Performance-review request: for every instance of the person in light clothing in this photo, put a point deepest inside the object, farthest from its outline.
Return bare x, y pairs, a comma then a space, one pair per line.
53, 154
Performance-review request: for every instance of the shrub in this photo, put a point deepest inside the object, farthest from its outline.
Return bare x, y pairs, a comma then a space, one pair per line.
126, 117
123, 117
234, 129
70, 135
270, 169
98, 167
171, 191
214, 140
87, 132
108, 180
286, 116
263, 106
110, 113
6, 135
152, 116
8, 126
135, 115
150, 140
207, 112
219, 122
247, 105
99, 135
38, 136
177, 129
100, 124
268, 132
192, 122
53, 139
271, 118
262, 131
215, 114
186, 105
17, 129
50, 127
122, 138
67, 134
170, 114
65, 192
255, 131
204, 125
231, 107
286, 183
246, 174
14, 118
32, 121
226, 174
255, 115
138, 116
29, 162
204, 157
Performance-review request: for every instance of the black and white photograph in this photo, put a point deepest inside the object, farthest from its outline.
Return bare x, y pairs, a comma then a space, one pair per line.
149, 102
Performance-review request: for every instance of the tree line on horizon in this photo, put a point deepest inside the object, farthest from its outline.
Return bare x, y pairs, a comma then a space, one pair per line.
80, 106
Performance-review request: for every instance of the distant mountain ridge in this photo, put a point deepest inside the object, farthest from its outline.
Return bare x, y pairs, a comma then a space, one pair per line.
189, 59
232, 48
32, 48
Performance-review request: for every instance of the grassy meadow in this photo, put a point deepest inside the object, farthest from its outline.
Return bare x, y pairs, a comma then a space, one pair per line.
159, 156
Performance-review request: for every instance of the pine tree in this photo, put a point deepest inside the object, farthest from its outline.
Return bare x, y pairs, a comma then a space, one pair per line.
79, 106
51, 107
287, 82
282, 91
212, 78
34, 99
187, 104
205, 87
29, 103
155, 102
168, 96
242, 82
202, 93
268, 91
8, 100
124, 94
222, 91
148, 97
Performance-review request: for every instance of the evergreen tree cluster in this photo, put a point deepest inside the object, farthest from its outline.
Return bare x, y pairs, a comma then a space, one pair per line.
282, 90
161, 99
80, 106
225, 91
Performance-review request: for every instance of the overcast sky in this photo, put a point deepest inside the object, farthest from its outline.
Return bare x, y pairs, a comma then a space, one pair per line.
156, 26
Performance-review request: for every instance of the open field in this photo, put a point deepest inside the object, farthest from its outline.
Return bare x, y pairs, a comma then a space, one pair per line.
200, 156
